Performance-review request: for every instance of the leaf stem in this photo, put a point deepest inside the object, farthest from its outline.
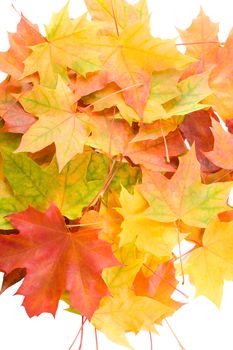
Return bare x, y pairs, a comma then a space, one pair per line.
166, 281
101, 189
165, 142
96, 340
82, 225
80, 330
201, 43
181, 262
110, 139
81, 338
107, 182
177, 339
181, 256
112, 94
151, 341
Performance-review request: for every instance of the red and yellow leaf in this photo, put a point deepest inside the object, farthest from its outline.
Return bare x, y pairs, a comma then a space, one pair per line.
67, 260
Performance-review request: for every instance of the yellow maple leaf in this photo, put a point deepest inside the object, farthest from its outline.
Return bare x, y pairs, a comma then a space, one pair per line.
162, 89
136, 54
70, 43
148, 235
212, 263
118, 277
127, 313
118, 13
57, 122
109, 97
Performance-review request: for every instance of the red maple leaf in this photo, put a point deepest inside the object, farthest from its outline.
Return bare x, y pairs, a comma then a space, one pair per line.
56, 260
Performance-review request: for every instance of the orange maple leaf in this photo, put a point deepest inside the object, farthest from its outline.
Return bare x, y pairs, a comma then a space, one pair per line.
56, 260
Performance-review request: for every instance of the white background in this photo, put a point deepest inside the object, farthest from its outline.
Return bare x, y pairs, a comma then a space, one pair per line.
198, 325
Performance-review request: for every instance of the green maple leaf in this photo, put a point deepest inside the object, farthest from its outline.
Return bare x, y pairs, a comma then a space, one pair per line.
184, 197
82, 178
30, 184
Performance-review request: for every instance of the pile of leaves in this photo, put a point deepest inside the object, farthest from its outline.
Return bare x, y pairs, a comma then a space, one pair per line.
114, 149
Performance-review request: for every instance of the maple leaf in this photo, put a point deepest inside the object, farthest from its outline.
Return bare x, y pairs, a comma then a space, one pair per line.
137, 54
163, 88
158, 238
203, 33
127, 312
209, 265
117, 13
11, 278
221, 175
17, 169
109, 97
69, 261
201, 41
220, 80
196, 128
222, 152
58, 122
126, 175
81, 180
71, 190
152, 154
70, 43
16, 119
85, 86
77, 184
110, 222
159, 285
109, 134
157, 129
192, 90
118, 277
175, 99
11, 88
27, 35
37, 185
105, 110
184, 197
8, 205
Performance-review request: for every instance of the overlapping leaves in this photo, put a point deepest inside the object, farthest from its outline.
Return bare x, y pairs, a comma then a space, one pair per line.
112, 152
